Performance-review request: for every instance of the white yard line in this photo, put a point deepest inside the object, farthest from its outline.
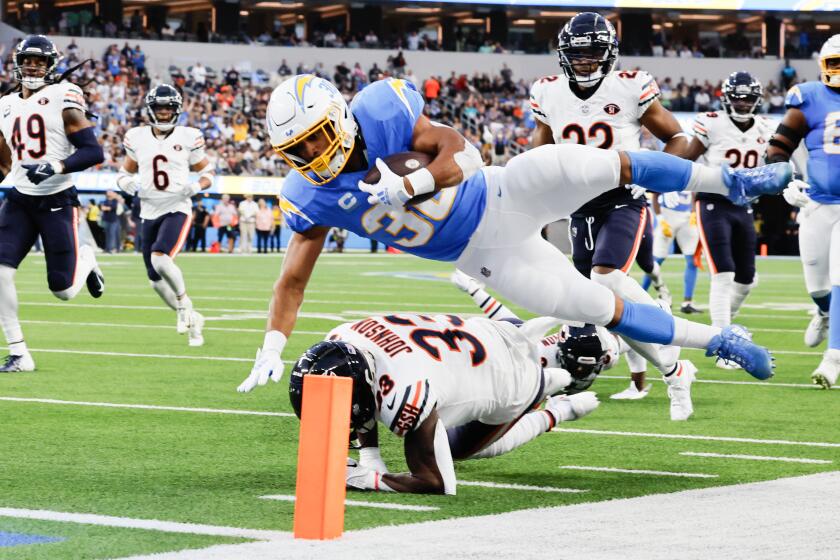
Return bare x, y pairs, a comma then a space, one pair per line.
524, 487
150, 407
757, 458
156, 327
137, 355
359, 503
794, 502
695, 437
772, 351
732, 382
638, 471
147, 524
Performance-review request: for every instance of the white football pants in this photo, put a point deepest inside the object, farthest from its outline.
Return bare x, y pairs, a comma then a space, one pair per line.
687, 235
819, 247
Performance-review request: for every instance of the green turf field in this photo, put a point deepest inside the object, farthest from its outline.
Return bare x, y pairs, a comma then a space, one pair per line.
61, 453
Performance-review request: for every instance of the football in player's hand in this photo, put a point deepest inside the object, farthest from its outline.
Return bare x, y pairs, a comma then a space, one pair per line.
402, 164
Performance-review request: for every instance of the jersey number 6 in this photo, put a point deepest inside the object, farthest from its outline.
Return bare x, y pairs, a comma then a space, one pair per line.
160, 177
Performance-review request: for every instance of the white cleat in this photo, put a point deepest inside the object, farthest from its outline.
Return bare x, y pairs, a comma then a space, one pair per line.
184, 314
566, 408
679, 390
829, 369
196, 339
465, 282
817, 330
18, 362
720, 363
631, 393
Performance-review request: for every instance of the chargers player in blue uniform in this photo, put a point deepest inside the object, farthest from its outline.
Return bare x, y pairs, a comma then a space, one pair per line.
813, 114
485, 220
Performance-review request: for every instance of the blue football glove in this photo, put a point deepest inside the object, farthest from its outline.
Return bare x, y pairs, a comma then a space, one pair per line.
39, 172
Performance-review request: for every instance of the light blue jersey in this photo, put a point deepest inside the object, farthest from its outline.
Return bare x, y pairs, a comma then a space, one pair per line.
821, 106
684, 204
438, 229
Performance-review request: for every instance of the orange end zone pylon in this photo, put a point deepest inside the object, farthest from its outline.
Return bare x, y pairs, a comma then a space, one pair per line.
322, 457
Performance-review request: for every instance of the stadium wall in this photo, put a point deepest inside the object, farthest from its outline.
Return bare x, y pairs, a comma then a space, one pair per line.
161, 54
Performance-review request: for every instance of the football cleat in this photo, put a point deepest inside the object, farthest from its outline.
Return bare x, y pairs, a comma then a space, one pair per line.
195, 337
829, 369
688, 308
663, 294
745, 185
720, 363
465, 282
566, 408
95, 283
734, 344
679, 390
20, 362
631, 393
817, 330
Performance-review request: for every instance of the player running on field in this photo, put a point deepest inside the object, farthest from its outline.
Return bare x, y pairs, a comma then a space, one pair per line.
453, 388
485, 220
737, 138
46, 135
164, 154
813, 114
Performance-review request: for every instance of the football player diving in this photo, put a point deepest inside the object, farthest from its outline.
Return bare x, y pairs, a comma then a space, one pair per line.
485, 219
453, 388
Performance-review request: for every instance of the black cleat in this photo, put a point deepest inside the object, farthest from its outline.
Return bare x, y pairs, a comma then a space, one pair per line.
688, 308
17, 363
96, 283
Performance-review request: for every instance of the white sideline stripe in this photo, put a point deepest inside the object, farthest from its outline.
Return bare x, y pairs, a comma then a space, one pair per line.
695, 437
151, 407
147, 524
638, 471
136, 355
358, 503
757, 458
525, 487
733, 382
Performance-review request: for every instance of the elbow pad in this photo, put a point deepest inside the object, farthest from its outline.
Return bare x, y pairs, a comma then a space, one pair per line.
88, 151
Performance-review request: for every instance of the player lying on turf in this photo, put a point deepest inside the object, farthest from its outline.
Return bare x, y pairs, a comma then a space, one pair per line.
487, 219
573, 349
45, 136
163, 154
453, 388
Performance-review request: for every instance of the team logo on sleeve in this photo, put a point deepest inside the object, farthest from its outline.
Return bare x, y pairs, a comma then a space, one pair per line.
612, 109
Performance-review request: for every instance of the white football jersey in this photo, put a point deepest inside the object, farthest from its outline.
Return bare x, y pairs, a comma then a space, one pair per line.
34, 131
609, 119
164, 167
726, 144
466, 369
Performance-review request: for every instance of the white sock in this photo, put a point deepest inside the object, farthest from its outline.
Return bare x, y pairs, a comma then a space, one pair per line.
635, 361
706, 179
556, 379
720, 298
693, 335
165, 293
85, 262
169, 271
739, 294
9, 312
526, 429
493, 308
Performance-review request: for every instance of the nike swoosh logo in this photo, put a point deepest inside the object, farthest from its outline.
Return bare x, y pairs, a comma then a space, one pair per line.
54, 209
500, 192
617, 206
393, 401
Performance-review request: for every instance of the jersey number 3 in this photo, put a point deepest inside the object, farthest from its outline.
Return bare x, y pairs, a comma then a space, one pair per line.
35, 130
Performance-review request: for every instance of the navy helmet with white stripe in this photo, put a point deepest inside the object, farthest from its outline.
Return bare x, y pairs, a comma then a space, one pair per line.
164, 96
587, 40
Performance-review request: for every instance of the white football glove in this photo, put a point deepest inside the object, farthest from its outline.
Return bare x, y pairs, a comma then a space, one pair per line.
671, 199
267, 365
361, 477
192, 189
390, 190
128, 184
636, 191
796, 193
370, 457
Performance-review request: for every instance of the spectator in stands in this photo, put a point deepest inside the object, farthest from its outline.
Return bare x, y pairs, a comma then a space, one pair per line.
137, 224
247, 224
92, 216
138, 60
371, 40
226, 218
111, 222
265, 224
199, 74
284, 70
276, 232
776, 101
788, 75
201, 219
431, 88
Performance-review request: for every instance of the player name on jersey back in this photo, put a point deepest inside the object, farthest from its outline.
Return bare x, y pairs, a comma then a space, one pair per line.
34, 131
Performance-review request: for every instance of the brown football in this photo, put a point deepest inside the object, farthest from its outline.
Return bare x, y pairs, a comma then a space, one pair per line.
402, 164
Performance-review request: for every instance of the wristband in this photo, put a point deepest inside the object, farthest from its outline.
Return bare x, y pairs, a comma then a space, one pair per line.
274, 340
421, 181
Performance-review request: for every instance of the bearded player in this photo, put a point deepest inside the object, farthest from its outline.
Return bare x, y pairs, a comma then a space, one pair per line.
46, 135
592, 104
813, 114
736, 137
164, 154
485, 220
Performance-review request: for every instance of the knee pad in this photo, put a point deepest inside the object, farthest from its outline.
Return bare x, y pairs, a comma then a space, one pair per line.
612, 280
